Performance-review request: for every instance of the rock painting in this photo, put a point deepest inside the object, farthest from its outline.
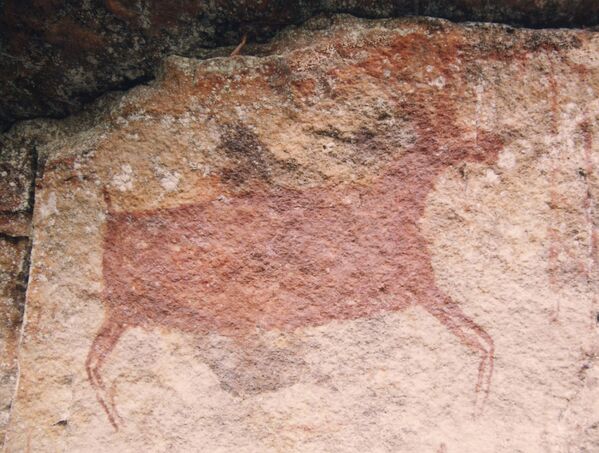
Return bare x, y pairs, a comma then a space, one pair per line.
272, 258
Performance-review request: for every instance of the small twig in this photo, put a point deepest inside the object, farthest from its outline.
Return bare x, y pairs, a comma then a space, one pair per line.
240, 45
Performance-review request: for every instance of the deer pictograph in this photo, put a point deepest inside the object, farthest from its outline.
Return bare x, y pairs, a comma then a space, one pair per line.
272, 257
269, 257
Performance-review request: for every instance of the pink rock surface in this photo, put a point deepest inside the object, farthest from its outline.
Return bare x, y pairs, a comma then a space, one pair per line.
375, 236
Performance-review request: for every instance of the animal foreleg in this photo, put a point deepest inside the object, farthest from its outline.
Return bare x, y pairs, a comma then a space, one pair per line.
471, 335
103, 344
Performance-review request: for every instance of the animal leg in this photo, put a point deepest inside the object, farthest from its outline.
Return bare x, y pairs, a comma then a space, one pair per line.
472, 335
103, 344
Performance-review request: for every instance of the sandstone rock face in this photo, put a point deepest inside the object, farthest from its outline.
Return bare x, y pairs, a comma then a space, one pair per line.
12, 260
16, 179
55, 56
370, 236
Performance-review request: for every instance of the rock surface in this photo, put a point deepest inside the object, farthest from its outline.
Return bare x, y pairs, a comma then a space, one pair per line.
56, 56
370, 236
13, 254
15, 215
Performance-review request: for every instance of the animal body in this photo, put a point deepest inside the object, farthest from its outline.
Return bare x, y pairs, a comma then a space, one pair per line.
276, 258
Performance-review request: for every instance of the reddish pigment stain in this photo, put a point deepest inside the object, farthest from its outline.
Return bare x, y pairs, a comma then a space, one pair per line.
588, 200
558, 245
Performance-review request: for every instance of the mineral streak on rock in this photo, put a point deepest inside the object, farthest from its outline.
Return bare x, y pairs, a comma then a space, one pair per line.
245, 254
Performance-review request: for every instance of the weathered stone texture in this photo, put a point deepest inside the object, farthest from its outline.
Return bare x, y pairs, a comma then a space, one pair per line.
15, 175
12, 297
369, 236
16, 179
55, 56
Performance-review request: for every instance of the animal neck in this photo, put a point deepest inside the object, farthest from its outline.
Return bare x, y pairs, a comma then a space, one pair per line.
411, 178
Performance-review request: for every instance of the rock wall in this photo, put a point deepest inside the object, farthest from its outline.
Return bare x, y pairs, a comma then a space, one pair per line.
370, 235
16, 195
56, 56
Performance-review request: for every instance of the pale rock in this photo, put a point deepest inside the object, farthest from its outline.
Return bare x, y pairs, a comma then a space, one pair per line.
359, 259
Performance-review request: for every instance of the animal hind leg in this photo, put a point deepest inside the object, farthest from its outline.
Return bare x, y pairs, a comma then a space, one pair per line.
103, 344
470, 334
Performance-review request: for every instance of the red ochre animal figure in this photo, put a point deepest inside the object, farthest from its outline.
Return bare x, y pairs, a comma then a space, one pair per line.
275, 258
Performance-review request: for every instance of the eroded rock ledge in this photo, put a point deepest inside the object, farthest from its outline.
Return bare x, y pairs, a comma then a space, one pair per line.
56, 56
